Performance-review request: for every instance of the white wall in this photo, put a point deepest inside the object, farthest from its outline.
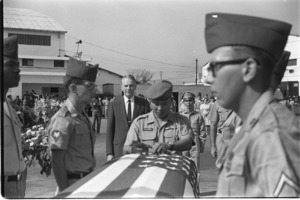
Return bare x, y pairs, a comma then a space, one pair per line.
107, 77
57, 42
293, 46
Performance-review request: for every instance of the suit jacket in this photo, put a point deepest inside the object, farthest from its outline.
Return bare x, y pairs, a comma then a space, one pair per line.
117, 123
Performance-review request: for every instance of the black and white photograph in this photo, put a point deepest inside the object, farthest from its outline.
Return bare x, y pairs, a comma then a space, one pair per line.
150, 99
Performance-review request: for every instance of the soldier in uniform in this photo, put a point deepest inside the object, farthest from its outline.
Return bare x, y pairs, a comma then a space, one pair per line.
197, 124
223, 126
14, 167
160, 131
71, 135
262, 159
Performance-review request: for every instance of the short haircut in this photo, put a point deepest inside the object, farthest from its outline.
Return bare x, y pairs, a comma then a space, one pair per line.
265, 61
70, 80
129, 76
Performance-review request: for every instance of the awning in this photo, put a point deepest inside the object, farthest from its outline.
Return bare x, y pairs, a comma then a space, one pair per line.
139, 176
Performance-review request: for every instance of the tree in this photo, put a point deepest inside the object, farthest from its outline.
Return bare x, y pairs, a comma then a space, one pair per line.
141, 76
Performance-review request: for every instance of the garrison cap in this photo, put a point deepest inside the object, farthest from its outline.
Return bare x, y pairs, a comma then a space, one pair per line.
281, 65
79, 69
240, 30
188, 94
160, 90
10, 47
279, 69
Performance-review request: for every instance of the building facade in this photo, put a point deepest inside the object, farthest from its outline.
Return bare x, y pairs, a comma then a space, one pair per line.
42, 57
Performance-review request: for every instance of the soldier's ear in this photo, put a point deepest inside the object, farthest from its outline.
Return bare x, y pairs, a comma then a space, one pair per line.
249, 70
72, 87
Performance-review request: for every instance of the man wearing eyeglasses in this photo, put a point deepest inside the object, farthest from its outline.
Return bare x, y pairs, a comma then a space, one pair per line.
14, 167
262, 159
71, 136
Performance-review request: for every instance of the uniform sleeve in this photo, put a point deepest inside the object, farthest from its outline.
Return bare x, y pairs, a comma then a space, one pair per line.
132, 134
201, 126
110, 130
272, 166
213, 114
185, 129
60, 133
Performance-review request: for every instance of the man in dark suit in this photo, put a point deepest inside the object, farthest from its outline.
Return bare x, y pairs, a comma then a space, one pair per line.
122, 111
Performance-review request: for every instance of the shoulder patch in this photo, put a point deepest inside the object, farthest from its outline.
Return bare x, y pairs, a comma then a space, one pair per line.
56, 135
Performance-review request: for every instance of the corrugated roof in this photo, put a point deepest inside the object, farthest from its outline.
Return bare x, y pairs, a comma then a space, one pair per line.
19, 18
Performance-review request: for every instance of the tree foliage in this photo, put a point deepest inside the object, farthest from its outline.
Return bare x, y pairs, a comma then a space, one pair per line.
142, 76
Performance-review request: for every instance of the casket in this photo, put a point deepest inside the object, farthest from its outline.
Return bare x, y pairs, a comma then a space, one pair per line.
139, 176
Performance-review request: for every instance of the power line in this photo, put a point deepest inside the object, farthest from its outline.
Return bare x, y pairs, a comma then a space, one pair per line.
125, 54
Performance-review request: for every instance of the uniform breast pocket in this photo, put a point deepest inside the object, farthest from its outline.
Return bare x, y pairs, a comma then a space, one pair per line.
170, 134
235, 169
148, 137
81, 136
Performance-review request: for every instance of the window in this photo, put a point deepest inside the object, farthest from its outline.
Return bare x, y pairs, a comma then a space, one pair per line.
27, 62
54, 90
41, 40
59, 63
292, 62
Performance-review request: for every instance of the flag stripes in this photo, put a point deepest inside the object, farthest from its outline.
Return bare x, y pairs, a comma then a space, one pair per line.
92, 188
153, 176
139, 176
169, 189
119, 186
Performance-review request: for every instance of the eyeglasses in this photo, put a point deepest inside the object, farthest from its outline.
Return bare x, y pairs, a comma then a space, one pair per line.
89, 85
216, 66
188, 100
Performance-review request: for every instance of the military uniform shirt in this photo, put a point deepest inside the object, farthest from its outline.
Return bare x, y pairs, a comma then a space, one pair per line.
13, 161
146, 129
263, 158
72, 132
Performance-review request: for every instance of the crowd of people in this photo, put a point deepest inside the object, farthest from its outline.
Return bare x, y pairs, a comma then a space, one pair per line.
254, 138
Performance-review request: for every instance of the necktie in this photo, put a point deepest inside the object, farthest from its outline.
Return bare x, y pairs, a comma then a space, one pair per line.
129, 111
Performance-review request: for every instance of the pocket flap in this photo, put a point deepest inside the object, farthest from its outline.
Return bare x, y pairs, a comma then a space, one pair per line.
148, 135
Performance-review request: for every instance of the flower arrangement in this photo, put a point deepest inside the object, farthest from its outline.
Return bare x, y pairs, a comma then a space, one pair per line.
35, 139
35, 148
46, 108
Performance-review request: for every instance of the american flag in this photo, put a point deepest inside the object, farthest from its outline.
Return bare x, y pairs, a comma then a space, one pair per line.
139, 176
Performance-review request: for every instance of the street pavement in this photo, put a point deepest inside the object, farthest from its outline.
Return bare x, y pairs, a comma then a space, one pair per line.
41, 186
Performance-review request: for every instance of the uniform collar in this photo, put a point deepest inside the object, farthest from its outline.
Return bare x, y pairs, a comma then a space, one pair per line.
258, 109
151, 118
71, 108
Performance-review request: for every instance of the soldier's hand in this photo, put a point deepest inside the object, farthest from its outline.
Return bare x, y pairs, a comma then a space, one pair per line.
213, 152
160, 148
140, 145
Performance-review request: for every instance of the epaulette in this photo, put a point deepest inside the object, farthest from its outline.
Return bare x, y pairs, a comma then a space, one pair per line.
144, 116
63, 112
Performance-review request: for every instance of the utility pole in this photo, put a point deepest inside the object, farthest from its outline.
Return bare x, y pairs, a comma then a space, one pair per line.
196, 70
79, 42
160, 75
